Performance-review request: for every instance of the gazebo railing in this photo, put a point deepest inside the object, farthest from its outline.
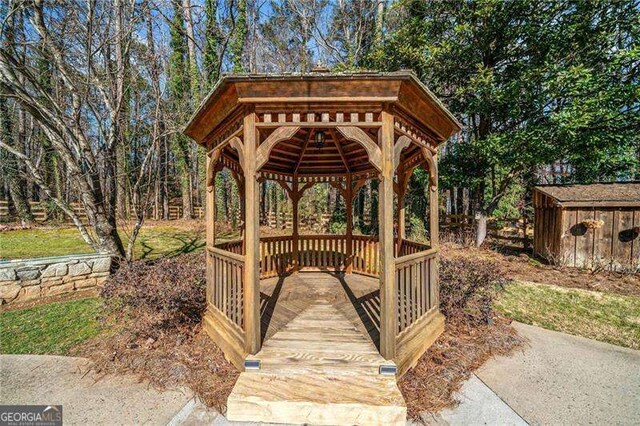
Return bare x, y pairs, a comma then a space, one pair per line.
315, 252
322, 252
410, 247
276, 256
232, 246
366, 255
415, 286
226, 293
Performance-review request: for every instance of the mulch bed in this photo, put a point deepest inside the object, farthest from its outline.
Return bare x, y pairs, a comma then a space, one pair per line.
187, 358
523, 268
152, 317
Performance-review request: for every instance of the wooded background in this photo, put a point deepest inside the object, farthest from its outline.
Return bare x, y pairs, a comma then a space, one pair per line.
93, 97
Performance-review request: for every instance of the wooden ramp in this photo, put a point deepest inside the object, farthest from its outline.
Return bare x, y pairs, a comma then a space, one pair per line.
318, 369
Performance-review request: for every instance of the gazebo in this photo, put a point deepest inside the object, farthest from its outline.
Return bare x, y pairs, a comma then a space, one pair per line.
301, 130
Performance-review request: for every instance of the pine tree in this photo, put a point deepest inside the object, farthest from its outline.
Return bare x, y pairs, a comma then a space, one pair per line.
8, 162
236, 47
179, 90
211, 57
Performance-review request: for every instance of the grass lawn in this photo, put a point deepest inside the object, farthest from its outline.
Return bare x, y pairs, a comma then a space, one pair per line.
54, 328
606, 317
153, 241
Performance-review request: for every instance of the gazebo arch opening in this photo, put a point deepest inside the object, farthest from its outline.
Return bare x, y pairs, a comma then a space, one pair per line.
342, 130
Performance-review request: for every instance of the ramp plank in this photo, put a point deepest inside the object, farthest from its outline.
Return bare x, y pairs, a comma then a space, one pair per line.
319, 367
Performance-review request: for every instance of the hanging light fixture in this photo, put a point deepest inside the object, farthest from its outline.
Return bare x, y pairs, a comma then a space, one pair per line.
319, 139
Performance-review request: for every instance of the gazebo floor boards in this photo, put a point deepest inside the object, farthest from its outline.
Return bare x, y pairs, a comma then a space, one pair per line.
318, 364
356, 296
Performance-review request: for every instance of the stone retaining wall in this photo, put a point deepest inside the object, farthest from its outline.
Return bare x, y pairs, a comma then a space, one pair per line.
27, 279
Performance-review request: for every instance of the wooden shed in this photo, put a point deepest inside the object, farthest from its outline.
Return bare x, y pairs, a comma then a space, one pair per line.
321, 325
589, 226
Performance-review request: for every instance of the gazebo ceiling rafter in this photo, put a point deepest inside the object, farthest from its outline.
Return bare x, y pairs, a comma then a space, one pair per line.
340, 150
351, 149
302, 151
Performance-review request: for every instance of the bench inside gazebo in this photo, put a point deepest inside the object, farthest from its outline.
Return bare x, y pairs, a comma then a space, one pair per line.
322, 325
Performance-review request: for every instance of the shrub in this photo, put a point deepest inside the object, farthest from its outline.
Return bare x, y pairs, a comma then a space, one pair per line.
155, 309
468, 289
418, 230
338, 228
158, 296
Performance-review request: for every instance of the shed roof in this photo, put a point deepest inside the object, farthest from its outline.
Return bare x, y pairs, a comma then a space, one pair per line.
401, 88
616, 194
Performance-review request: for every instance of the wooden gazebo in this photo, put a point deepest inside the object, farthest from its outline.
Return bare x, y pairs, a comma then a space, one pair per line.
341, 129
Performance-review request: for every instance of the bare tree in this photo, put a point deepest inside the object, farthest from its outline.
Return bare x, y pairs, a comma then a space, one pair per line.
84, 125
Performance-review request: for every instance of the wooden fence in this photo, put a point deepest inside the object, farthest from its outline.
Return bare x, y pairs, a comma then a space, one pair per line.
514, 230
42, 212
284, 220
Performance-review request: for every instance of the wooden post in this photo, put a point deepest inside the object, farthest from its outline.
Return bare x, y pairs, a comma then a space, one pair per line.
251, 282
388, 297
434, 274
348, 202
295, 198
433, 216
210, 208
210, 218
402, 189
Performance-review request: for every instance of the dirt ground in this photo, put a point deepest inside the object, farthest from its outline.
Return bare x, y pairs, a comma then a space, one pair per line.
523, 268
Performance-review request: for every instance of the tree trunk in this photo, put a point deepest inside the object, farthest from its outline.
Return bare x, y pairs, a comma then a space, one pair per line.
359, 207
481, 226
263, 203
185, 189
194, 73
10, 169
121, 193
194, 86
484, 130
16, 184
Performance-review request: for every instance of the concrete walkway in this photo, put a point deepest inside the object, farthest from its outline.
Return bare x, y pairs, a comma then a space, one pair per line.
86, 398
564, 379
557, 379
479, 405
